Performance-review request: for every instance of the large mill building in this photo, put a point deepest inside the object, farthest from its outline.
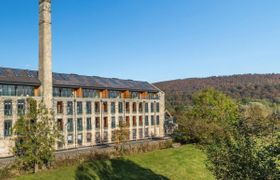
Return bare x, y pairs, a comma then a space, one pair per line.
87, 108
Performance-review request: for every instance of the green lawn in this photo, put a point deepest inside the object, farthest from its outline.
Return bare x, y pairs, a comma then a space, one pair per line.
186, 163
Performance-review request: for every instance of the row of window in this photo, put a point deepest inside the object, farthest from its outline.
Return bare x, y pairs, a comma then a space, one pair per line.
79, 123
13, 90
70, 123
136, 107
8, 107
18, 90
105, 137
91, 93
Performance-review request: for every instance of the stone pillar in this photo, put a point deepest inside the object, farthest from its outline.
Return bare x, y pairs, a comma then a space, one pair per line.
45, 52
162, 113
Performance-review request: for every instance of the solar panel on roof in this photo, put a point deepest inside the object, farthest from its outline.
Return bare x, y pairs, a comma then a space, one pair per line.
56, 76
1, 71
65, 77
30, 74
17, 73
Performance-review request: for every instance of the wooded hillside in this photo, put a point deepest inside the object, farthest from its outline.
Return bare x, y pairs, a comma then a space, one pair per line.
248, 86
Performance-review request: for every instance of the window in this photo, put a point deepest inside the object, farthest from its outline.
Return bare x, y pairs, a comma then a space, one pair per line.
152, 107
62, 92
113, 136
135, 95
153, 96
70, 139
59, 145
12, 90
105, 122
158, 107
8, 90
97, 122
140, 107
157, 120
114, 94
97, 138
90, 93
79, 108
140, 133
80, 139
89, 137
120, 119
60, 124
146, 107
105, 138
70, 125
134, 134
80, 124
24, 90
127, 121
127, 108
7, 128
89, 127
146, 120
8, 108
113, 108
97, 107
152, 120
69, 108
88, 105
134, 123
120, 107
140, 120
105, 107
113, 122
20, 107
134, 107
146, 132
59, 107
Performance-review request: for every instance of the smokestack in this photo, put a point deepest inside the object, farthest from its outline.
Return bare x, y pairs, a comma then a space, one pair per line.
45, 52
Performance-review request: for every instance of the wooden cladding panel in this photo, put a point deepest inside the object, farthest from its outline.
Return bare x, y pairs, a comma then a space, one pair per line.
105, 93
144, 95
37, 91
125, 94
79, 92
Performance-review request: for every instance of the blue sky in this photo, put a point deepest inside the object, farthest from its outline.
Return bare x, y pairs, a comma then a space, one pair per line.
152, 40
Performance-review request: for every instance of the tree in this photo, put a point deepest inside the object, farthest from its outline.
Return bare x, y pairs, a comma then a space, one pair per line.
212, 114
250, 151
212, 105
36, 135
240, 158
121, 136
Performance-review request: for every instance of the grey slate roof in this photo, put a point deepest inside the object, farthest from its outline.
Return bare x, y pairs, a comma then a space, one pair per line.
30, 77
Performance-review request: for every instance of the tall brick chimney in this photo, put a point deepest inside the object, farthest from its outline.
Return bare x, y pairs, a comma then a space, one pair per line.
45, 52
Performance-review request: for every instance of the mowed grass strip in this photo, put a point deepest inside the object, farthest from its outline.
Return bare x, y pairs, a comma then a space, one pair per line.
186, 163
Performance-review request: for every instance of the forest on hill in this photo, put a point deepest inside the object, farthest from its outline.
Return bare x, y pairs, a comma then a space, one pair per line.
240, 87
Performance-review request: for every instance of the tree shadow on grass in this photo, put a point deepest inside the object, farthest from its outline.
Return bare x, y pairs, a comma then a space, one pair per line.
115, 169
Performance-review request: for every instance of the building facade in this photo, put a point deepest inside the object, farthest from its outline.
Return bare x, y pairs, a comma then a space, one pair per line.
87, 108
85, 116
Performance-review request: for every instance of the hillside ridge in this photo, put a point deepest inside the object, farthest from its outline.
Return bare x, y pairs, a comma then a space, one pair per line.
240, 86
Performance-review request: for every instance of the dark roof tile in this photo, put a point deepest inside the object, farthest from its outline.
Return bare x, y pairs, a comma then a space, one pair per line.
29, 77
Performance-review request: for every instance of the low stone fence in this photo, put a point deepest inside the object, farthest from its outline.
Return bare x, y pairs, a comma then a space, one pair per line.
110, 150
79, 153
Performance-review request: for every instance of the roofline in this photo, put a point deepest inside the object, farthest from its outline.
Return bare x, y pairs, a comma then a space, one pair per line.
157, 88
20, 83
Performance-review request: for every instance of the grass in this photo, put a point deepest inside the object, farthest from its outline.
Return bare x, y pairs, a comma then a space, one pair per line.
186, 162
